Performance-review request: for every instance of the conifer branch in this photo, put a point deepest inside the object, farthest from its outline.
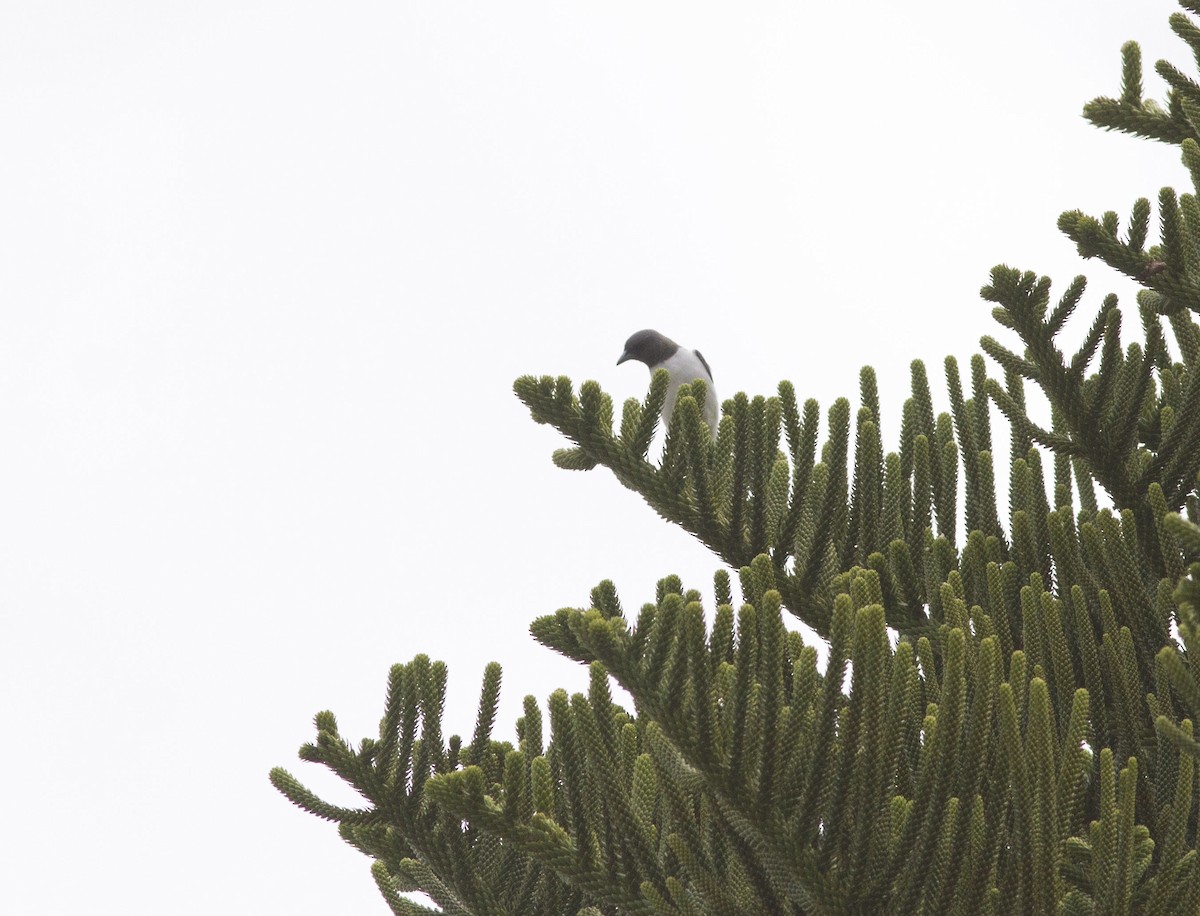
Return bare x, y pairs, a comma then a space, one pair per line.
1027, 745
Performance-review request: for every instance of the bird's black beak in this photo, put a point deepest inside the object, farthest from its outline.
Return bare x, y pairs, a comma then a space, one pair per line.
624, 356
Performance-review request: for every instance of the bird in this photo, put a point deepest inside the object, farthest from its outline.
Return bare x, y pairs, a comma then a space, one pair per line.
658, 351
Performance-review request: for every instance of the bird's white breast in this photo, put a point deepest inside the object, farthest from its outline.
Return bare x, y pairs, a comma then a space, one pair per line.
683, 367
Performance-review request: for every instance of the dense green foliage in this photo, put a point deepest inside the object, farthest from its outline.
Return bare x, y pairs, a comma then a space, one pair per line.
1023, 743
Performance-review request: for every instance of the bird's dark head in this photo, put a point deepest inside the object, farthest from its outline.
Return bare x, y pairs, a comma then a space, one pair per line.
648, 347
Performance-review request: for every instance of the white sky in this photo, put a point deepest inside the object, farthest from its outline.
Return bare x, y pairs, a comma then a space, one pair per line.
269, 271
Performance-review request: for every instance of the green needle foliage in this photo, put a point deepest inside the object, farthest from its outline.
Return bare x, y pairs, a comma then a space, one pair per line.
1005, 721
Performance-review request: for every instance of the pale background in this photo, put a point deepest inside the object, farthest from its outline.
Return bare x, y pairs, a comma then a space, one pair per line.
268, 271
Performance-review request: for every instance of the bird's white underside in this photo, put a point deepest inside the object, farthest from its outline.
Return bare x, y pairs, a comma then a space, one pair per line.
683, 367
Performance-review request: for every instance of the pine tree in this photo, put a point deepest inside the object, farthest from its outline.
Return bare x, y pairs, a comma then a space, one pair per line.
1025, 743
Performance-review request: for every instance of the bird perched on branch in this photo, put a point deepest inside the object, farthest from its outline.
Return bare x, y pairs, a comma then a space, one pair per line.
683, 366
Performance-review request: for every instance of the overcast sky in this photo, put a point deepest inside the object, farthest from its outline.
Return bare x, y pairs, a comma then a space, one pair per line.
269, 270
